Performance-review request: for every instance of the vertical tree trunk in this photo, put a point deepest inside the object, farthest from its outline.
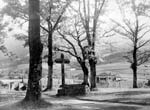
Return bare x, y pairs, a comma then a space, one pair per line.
85, 72
134, 67
50, 77
35, 48
92, 61
135, 77
50, 62
93, 73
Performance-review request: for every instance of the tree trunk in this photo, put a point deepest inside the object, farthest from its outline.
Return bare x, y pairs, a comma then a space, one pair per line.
35, 48
50, 62
135, 77
92, 63
85, 72
134, 68
50, 77
93, 73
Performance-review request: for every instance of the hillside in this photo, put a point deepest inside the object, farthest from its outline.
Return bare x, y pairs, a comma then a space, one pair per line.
111, 58
114, 58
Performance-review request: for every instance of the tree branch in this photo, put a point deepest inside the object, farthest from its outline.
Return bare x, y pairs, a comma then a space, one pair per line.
129, 59
143, 44
66, 51
143, 58
121, 26
60, 16
143, 34
69, 42
44, 28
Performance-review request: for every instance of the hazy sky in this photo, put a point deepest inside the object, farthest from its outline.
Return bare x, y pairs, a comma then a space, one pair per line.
2, 4
16, 46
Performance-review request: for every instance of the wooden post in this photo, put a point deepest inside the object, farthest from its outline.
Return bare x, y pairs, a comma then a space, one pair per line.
62, 60
62, 70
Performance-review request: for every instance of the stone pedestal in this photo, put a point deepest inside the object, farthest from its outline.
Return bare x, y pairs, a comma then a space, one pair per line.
72, 90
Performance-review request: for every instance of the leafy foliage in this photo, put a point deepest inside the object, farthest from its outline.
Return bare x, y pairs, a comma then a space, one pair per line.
51, 12
3, 31
16, 9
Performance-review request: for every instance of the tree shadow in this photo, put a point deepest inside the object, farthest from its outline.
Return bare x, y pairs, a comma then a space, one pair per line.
121, 108
27, 105
120, 97
129, 101
132, 93
101, 107
124, 93
34, 104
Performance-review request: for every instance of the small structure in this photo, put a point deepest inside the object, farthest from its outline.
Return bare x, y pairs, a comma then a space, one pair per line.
147, 77
71, 89
106, 77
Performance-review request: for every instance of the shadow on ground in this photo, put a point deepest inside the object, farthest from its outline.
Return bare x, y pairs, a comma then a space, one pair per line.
23, 105
121, 108
118, 101
101, 107
132, 93
123, 93
122, 98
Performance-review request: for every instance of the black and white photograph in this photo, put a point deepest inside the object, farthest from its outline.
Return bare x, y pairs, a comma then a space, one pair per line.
74, 54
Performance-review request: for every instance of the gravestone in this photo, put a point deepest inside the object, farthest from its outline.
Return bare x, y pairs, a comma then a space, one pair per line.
70, 89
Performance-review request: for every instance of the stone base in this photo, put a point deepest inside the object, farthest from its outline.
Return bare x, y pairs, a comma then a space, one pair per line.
72, 90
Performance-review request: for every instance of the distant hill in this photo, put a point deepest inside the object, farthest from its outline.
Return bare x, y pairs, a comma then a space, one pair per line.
114, 57
13, 63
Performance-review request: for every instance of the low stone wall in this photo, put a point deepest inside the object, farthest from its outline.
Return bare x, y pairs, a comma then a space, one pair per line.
72, 90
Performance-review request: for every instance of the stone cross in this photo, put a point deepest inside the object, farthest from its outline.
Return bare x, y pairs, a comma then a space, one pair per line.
62, 60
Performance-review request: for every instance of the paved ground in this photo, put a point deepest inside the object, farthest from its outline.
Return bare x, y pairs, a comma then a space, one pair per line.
104, 99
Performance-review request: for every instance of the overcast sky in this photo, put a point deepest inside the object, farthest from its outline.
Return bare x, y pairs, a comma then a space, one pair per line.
16, 46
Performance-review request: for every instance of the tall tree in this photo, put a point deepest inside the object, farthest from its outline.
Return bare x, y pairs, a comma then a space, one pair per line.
75, 44
51, 14
134, 30
90, 21
35, 48
53, 17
